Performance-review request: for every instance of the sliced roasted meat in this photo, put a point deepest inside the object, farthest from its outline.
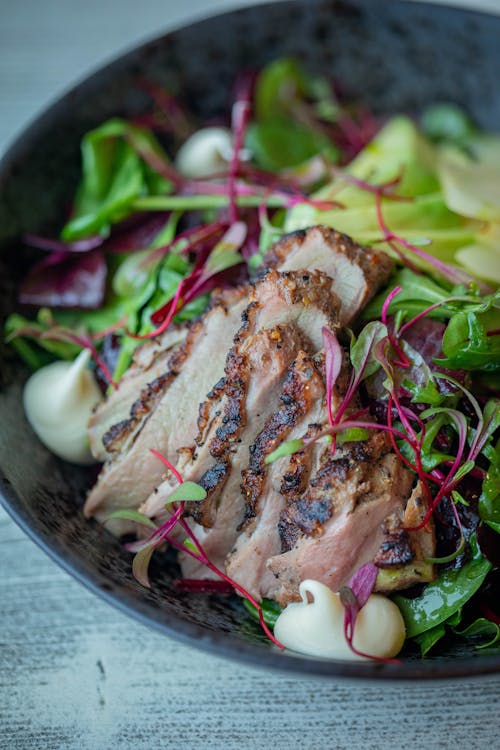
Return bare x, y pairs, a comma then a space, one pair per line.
167, 421
239, 404
268, 487
357, 272
111, 416
337, 524
267, 355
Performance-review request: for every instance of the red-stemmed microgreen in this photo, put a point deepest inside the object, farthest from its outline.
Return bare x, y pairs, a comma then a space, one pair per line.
189, 241
200, 556
461, 543
185, 492
66, 335
363, 365
169, 310
167, 463
333, 365
172, 116
239, 120
403, 359
203, 277
203, 586
354, 597
395, 241
153, 158
128, 514
384, 189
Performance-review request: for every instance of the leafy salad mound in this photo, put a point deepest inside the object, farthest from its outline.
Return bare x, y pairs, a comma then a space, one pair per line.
147, 241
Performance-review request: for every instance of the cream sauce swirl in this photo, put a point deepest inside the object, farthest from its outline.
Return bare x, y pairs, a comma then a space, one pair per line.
58, 401
316, 627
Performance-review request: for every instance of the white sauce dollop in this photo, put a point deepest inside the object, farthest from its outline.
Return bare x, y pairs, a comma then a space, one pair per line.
58, 401
207, 151
316, 628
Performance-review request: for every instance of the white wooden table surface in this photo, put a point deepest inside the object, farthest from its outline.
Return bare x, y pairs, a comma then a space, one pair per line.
75, 673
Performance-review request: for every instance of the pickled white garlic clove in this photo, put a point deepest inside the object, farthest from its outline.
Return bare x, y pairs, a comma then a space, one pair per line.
316, 628
58, 401
206, 152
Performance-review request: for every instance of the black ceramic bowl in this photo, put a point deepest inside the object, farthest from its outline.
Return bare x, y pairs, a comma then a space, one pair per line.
393, 56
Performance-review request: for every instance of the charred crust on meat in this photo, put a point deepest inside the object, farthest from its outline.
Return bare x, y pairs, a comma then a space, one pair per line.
294, 480
115, 434
395, 550
295, 400
212, 480
372, 262
114, 437
302, 517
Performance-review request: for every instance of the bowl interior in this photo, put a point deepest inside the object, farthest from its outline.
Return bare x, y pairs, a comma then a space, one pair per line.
391, 55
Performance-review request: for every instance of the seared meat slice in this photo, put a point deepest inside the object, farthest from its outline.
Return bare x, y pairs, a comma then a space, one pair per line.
357, 272
263, 362
267, 488
234, 413
111, 416
337, 525
167, 421
403, 557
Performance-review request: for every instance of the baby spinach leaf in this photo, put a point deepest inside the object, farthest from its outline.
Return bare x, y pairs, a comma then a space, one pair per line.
445, 596
447, 123
279, 143
489, 501
429, 638
482, 628
467, 345
113, 175
278, 86
270, 609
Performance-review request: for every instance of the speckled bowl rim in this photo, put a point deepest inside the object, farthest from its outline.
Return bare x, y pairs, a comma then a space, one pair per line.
216, 643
